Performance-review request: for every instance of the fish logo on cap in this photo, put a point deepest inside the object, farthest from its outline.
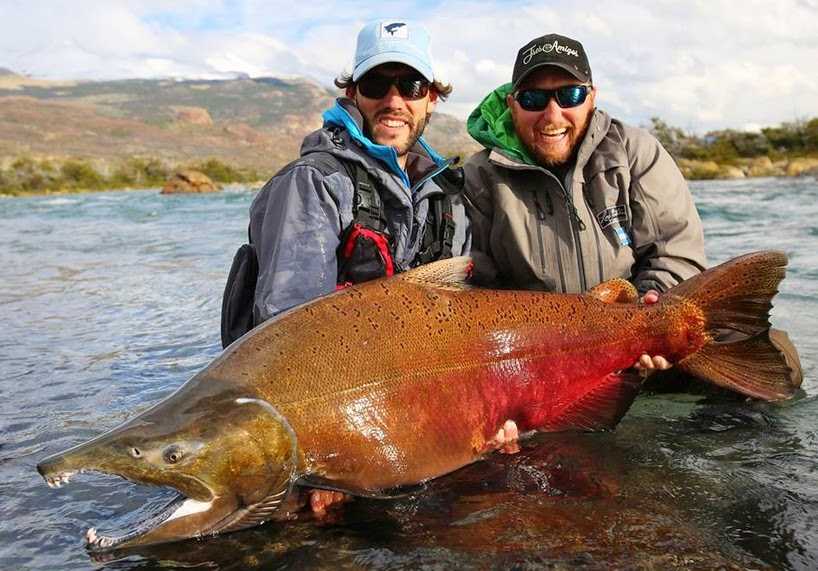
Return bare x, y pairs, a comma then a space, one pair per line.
394, 30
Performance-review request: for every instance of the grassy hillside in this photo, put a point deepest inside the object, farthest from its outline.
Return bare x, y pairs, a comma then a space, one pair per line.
250, 124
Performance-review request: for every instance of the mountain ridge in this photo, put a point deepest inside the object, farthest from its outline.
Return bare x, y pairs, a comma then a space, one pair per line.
255, 123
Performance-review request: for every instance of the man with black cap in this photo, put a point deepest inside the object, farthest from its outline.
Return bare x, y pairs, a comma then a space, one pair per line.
565, 197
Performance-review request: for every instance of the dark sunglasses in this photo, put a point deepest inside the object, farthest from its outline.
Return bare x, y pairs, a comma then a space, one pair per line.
566, 96
376, 86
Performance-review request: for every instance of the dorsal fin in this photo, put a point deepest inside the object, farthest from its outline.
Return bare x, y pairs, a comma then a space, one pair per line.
455, 273
451, 273
617, 290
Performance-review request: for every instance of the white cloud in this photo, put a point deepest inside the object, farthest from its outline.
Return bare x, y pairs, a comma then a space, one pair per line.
700, 64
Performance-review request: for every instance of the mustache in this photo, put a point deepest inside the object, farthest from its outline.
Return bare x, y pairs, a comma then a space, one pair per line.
552, 127
395, 114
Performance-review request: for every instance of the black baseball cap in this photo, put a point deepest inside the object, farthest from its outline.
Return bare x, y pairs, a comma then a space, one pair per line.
552, 50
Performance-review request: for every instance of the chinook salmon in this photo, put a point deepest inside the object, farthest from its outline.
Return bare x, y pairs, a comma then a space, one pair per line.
396, 381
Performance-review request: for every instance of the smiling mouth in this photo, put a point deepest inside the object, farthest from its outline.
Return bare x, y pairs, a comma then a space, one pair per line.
553, 134
392, 122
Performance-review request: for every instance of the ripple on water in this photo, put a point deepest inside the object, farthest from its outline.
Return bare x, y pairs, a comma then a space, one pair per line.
111, 301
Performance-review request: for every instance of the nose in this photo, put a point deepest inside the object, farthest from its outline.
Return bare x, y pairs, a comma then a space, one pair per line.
552, 110
393, 97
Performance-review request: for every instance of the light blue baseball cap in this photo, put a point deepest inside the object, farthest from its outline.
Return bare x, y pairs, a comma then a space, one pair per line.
388, 41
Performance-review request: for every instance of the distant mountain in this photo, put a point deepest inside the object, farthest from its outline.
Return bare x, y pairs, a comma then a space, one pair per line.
250, 122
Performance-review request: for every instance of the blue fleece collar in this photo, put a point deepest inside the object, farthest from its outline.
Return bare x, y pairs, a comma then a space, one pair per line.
340, 117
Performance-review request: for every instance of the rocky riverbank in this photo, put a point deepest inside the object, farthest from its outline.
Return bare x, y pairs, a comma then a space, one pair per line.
26, 175
744, 168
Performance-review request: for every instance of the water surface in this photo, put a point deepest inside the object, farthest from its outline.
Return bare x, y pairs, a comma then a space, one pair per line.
110, 301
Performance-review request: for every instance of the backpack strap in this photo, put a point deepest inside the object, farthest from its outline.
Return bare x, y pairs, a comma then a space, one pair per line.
438, 235
367, 207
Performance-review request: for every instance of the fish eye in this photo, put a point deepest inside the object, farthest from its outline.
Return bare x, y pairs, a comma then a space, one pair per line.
136, 452
172, 454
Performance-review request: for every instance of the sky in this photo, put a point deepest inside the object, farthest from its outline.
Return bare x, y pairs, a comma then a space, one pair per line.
700, 65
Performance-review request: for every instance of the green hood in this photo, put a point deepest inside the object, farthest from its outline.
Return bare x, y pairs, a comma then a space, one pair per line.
491, 126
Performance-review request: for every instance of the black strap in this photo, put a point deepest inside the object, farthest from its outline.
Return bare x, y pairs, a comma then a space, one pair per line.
367, 206
438, 236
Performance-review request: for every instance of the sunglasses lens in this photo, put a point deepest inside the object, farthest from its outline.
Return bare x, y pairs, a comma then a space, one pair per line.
571, 95
374, 86
413, 88
566, 96
533, 99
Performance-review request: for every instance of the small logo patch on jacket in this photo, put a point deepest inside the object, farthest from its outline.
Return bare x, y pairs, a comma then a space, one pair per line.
617, 217
612, 215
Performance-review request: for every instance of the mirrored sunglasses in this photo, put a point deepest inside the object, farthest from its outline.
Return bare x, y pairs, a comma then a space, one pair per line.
537, 99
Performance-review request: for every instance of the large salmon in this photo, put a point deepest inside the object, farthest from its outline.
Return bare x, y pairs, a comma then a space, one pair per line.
400, 380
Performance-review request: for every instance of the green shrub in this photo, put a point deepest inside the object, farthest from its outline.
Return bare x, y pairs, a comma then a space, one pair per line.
219, 171
79, 175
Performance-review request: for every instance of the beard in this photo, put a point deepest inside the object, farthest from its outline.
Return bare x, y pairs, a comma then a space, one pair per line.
403, 145
558, 157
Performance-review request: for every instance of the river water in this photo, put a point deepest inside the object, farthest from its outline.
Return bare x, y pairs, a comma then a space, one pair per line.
110, 301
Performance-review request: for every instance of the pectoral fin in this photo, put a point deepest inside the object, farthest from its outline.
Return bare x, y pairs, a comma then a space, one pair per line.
602, 407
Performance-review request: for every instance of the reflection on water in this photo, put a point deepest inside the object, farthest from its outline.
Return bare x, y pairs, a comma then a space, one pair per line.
110, 301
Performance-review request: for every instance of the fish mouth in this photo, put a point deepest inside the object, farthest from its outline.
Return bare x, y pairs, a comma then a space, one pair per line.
145, 525
96, 541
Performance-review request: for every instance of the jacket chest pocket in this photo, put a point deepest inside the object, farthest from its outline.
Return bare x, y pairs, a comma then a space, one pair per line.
608, 197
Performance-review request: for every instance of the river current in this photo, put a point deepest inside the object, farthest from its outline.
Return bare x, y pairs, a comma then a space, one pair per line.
109, 301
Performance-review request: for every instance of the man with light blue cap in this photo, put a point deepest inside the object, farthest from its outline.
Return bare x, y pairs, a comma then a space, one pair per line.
367, 198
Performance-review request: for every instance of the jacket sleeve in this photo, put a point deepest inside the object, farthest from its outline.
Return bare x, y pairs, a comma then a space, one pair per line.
295, 226
478, 200
666, 228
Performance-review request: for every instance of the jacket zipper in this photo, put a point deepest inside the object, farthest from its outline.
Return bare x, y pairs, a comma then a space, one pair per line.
540, 222
577, 225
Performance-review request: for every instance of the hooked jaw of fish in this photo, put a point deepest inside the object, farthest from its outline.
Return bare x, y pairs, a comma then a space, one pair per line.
230, 471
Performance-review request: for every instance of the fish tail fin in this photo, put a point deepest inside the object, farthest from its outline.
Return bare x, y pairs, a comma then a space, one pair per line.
735, 299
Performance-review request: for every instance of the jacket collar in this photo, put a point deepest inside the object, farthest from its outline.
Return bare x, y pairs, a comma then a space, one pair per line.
421, 160
597, 129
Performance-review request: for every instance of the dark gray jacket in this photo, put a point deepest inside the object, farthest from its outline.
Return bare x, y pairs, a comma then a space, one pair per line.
623, 210
297, 219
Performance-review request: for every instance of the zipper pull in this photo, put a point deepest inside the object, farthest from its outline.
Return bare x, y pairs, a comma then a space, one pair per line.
540, 211
574, 214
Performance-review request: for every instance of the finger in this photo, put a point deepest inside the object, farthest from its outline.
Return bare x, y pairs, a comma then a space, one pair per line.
661, 363
511, 432
651, 296
499, 438
645, 362
317, 502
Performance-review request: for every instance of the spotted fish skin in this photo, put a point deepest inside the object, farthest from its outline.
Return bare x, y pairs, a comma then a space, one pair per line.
396, 381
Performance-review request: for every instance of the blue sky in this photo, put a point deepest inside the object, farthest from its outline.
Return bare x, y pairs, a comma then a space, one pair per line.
699, 64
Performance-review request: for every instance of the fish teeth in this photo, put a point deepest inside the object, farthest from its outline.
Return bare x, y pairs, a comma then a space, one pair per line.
97, 540
59, 480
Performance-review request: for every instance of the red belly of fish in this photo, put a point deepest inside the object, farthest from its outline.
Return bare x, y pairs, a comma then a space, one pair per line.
439, 422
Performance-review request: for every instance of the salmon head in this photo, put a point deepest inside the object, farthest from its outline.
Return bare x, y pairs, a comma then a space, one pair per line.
232, 459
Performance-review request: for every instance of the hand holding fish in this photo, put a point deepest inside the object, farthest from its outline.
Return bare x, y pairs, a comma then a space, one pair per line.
647, 364
320, 500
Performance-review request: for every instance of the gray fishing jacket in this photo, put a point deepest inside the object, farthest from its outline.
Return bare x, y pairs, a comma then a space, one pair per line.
297, 218
622, 210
